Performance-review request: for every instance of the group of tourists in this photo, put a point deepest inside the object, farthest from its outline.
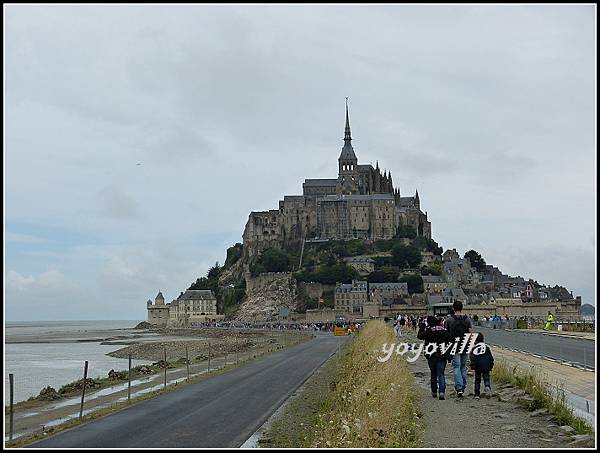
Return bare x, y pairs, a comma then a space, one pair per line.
402, 322
441, 331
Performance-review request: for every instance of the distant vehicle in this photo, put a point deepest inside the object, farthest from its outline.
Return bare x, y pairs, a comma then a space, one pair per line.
339, 330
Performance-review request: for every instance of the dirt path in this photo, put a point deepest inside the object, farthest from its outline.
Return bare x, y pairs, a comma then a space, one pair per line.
495, 422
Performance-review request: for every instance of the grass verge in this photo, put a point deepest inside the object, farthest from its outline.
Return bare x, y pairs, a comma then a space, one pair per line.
370, 404
544, 396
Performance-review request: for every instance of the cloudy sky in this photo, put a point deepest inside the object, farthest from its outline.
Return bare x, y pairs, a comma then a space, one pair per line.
488, 110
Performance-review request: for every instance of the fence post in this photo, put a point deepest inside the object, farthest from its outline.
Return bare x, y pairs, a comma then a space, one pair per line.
129, 381
237, 351
165, 364
12, 392
187, 362
85, 368
209, 357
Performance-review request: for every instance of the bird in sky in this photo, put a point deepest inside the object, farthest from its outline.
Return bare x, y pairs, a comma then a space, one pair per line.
138, 164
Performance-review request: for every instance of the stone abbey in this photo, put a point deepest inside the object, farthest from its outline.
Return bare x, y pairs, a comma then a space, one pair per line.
361, 203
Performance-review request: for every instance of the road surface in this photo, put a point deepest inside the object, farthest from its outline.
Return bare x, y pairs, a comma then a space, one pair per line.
566, 349
222, 411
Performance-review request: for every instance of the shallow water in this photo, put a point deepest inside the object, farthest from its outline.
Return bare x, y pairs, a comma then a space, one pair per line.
48, 353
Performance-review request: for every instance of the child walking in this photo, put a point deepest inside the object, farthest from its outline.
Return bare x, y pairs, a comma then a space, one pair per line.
482, 364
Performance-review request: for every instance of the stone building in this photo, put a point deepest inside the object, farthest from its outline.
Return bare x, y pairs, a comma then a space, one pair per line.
350, 297
158, 313
361, 202
193, 306
433, 284
363, 264
390, 292
190, 307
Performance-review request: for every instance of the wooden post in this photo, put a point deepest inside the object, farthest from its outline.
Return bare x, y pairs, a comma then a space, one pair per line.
85, 368
209, 357
165, 365
12, 392
237, 351
129, 381
187, 362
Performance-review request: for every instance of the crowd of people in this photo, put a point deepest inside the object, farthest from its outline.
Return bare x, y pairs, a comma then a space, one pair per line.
442, 331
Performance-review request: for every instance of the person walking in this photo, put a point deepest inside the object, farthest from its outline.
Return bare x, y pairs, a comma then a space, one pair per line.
482, 364
458, 325
549, 320
431, 331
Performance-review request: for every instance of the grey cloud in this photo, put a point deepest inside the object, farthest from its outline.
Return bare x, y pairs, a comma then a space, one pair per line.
118, 205
229, 107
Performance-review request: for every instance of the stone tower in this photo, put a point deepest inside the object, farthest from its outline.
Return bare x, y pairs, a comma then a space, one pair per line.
159, 300
347, 182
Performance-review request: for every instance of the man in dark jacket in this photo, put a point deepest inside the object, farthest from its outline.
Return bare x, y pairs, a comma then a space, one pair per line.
458, 324
482, 364
431, 331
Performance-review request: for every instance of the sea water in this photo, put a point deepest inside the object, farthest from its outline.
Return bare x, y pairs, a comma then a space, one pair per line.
41, 353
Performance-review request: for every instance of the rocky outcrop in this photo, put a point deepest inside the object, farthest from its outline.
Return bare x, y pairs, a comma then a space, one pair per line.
232, 275
48, 394
266, 294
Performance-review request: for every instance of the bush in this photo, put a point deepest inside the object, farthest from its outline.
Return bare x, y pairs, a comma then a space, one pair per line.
329, 275
415, 283
234, 253
406, 231
406, 256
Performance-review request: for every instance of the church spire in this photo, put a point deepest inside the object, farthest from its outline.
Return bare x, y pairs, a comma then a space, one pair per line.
347, 134
347, 150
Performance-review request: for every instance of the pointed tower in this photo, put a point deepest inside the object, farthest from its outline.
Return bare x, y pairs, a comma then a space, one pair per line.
347, 163
417, 201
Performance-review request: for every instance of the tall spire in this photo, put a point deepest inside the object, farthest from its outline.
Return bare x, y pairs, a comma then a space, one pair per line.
347, 150
347, 135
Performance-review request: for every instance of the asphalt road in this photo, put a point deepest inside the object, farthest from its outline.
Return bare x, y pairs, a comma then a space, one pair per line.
573, 350
222, 411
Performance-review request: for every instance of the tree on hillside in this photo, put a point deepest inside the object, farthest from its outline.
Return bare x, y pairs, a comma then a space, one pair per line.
234, 253
211, 281
274, 260
432, 269
476, 260
415, 283
406, 256
406, 231
384, 275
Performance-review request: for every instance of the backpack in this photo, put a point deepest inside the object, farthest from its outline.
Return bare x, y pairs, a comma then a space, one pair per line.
459, 327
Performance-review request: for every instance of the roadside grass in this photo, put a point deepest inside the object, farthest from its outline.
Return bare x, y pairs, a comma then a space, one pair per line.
544, 396
370, 404
28, 439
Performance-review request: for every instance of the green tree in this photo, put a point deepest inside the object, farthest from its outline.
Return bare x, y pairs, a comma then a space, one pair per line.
406, 231
406, 256
384, 275
432, 269
274, 260
476, 260
234, 253
415, 283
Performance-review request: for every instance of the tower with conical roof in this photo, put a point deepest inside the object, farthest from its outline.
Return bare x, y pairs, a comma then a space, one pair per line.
347, 163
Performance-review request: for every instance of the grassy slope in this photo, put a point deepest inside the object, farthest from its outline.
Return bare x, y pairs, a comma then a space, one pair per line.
371, 404
543, 395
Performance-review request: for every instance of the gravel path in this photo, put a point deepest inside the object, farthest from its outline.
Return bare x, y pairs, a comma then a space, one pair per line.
500, 422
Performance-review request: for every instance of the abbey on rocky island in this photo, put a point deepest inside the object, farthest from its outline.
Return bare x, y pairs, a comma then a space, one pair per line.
361, 203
